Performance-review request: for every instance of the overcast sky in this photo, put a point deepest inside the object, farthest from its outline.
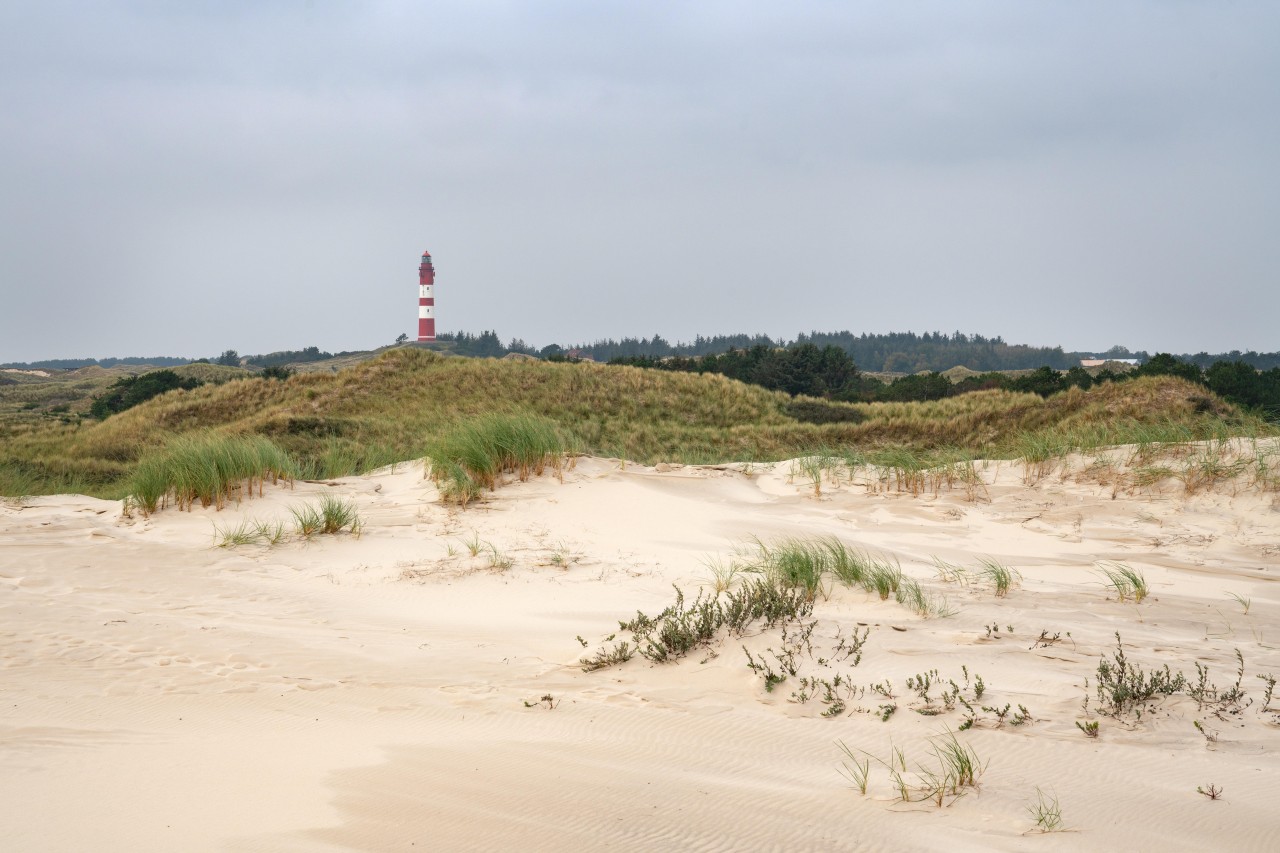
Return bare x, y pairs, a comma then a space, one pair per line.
184, 178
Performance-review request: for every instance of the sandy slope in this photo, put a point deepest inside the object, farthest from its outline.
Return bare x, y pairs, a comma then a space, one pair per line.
159, 693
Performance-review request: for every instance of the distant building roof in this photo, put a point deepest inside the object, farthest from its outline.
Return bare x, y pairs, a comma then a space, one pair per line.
1099, 362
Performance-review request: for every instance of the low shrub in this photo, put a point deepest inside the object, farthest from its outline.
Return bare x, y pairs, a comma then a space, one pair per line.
128, 391
818, 412
681, 628
1124, 687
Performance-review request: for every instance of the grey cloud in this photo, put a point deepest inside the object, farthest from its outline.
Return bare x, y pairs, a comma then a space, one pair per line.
1071, 173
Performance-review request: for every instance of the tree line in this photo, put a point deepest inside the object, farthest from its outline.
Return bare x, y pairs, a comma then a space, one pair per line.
830, 373
77, 363
893, 352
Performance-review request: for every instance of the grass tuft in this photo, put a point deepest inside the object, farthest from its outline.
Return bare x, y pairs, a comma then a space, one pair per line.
797, 563
1244, 601
211, 469
912, 596
1002, 577
475, 454
331, 516
883, 577
958, 770
307, 520
960, 761
1047, 812
854, 770
338, 515
1127, 581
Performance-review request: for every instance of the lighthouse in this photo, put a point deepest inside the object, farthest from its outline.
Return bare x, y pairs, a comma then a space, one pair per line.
426, 299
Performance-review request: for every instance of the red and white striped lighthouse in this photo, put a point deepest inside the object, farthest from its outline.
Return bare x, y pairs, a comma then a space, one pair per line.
426, 299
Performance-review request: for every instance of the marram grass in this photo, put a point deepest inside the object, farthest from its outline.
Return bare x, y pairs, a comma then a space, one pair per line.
211, 469
1126, 581
331, 516
805, 564
475, 454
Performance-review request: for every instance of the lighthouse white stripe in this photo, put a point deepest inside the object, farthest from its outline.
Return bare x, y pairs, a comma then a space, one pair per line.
425, 312
425, 291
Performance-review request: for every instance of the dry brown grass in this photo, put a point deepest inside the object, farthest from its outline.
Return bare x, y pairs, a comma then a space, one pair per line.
392, 407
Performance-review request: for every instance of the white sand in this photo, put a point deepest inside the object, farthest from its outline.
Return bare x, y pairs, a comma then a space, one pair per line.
159, 693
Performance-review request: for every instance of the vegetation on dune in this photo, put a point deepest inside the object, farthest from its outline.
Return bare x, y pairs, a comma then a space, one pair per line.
128, 391
64, 396
333, 515
401, 404
473, 455
800, 369
210, 469
804, 368
683, 628
783, 580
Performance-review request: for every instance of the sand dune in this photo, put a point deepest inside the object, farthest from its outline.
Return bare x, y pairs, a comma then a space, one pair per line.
383, 692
